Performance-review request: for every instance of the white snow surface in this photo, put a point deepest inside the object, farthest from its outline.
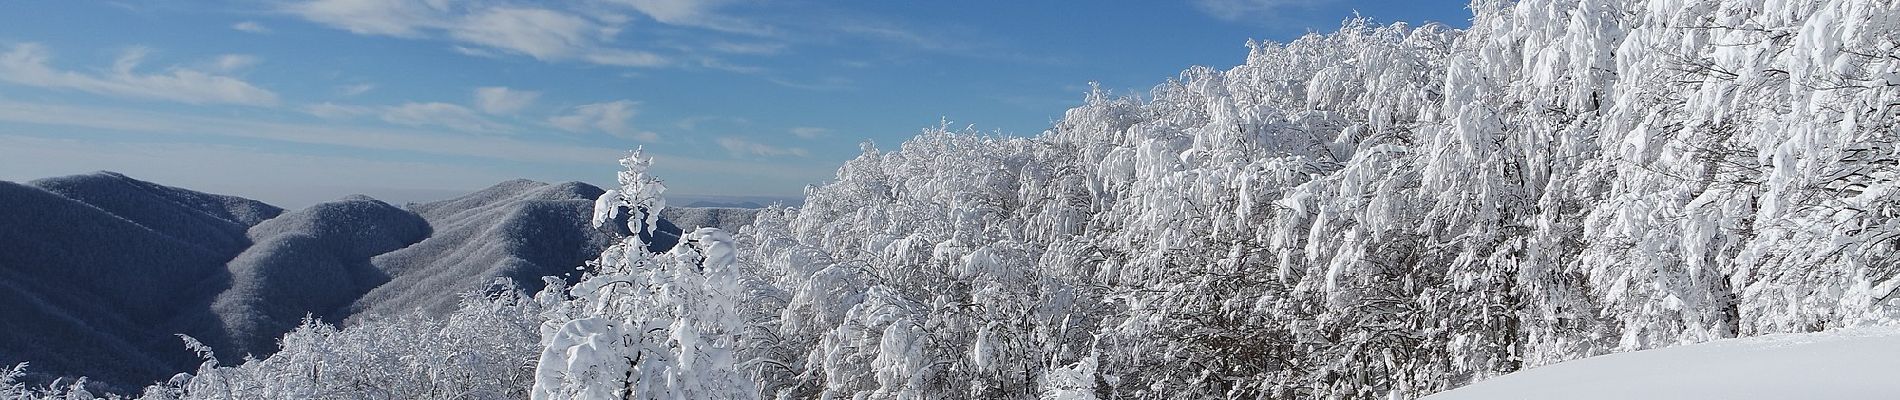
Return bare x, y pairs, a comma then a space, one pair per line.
1852, 363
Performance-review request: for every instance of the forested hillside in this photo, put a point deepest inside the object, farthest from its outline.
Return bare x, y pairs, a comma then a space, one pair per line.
1383, 210
101, 272
1387, 210
98, 271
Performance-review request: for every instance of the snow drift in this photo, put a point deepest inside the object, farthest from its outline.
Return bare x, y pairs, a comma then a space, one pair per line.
1845, 364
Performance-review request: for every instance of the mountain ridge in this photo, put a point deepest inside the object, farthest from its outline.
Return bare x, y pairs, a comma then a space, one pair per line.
236, 273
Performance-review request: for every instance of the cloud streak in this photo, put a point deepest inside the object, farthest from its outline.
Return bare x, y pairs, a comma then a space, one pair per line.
355, 90
1241, 10
807, 132
742, 147
541, 33
696, 13
250, 26
328, 110
502, 101
612, 118
440, 114
30, 64
423, 142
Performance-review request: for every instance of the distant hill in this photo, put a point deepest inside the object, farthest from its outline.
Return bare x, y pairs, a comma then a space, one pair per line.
311, 261
98, 272
719, 204
718, 201
727, 218
95, 270
518, 230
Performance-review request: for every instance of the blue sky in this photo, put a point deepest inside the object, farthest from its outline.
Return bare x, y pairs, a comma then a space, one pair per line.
296, 102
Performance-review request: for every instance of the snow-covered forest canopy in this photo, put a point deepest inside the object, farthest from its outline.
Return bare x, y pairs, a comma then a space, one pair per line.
1385, 211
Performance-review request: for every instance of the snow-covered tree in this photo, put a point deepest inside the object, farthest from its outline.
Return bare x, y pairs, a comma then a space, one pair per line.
644, 325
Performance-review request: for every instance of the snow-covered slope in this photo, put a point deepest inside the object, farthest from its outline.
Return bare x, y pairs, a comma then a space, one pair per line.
1382, 211
517, 230
96, 270
314, 262
99, 271
1844, 364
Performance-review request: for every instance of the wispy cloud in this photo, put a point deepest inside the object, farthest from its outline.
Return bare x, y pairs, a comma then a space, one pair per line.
827, 84
233, 62
440, 114
544, 34
502, 101
747, 48
250, 26
742, 147
1240, 10
696, 13
807, 132
488, 100
891, 32
625, 58
30, 64
694, 123
328, 110
613, 118
723, 65
354, 90
418, 141
399, 18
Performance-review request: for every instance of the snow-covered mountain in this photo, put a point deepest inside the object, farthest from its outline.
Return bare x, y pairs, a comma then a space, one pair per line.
313, 261
98, 272
518, 231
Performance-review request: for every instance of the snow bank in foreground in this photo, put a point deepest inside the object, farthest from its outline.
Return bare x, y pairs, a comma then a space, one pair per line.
1857, 363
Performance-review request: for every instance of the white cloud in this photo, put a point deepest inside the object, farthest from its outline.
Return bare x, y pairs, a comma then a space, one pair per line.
832, 83
500, 100
625, 58
741, 147
234, 62
355, 90
748, 48
545, 34
695, 13
695, 122
29, 64
328, 110
807, 132
1237, 10
250, 26
610, 117
440, 114
129, 120
399, 18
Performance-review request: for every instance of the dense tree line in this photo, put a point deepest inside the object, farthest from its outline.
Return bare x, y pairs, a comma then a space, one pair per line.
1386, 209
